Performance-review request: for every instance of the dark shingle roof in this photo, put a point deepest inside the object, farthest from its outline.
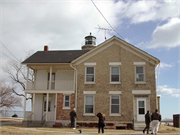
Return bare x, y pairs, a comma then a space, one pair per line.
54, 56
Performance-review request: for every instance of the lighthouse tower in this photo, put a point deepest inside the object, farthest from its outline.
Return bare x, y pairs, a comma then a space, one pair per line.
90, 42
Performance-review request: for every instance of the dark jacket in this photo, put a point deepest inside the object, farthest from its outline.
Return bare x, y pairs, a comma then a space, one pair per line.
101, 120
73, 115
147, 118
156, 116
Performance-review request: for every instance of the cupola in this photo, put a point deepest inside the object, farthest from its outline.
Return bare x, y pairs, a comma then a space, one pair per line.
89, 43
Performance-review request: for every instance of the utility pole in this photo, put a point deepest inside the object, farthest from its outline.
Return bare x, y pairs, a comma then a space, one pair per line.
104, 30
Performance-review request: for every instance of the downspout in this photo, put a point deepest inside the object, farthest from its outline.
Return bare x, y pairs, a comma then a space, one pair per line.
157, 86
75, 90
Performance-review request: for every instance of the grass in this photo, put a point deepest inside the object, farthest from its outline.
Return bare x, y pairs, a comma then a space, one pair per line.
18, 129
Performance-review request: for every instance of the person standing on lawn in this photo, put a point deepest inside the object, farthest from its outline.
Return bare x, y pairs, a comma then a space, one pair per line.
73, 116
147, 121
156, 118
101, 122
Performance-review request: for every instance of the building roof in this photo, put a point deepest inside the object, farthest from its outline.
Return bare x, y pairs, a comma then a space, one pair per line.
54, 56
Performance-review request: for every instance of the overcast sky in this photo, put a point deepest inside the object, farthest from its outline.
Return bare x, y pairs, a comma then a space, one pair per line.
151, 25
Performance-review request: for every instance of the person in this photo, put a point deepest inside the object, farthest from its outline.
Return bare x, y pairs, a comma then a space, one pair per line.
101, 122
147, 121
156, 118
73, 116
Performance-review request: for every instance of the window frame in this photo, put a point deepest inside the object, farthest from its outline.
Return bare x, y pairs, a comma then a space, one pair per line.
115, 114
139, 82
89, 114
114, 82
64, 101
89, 82
49, 106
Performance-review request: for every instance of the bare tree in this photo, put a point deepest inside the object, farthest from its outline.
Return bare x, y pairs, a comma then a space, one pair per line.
8, 98
18, 75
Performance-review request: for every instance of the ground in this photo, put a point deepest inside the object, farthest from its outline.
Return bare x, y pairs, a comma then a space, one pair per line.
13, 126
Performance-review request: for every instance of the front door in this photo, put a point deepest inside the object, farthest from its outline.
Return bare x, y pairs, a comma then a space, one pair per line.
141, 109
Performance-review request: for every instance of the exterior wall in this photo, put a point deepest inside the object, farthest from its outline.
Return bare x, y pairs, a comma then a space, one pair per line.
63, 115
102, 87
38, 108
41, 79
64, 80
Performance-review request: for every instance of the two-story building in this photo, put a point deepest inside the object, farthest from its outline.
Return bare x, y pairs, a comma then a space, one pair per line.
115, 78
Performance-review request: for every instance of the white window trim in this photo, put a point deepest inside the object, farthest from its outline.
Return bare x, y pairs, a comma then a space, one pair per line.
115, 92
114, 63
115, 114
141, 91
119, 76
89, 114
89, 92
65, 107
141, 99
86, 74
140, 82
90, 64
139, 63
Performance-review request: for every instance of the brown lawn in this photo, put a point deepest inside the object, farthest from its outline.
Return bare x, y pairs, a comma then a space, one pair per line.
18, 129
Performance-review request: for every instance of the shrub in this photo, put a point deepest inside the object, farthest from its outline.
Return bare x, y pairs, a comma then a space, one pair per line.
15, 115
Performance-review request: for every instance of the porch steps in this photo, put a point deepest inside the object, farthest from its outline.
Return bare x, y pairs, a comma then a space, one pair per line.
36, 124
139, 126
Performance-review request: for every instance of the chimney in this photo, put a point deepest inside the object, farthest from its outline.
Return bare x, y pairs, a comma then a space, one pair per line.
46, 48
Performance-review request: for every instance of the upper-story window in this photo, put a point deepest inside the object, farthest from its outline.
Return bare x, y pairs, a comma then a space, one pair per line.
90, 72
139, 72
52, 81
140, 76
114, 72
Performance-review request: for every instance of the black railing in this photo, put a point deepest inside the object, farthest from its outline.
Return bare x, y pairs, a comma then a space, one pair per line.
43, 120
29, 119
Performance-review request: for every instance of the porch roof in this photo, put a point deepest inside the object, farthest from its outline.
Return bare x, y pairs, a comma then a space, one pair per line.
65, 56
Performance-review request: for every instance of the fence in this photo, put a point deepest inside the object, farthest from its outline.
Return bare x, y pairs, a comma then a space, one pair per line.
10, 113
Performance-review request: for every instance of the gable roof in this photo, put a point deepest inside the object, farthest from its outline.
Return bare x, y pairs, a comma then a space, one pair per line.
54, 56
117, 41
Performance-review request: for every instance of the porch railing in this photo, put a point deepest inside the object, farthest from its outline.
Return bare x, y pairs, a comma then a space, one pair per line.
29, 119
57, 85
43, 120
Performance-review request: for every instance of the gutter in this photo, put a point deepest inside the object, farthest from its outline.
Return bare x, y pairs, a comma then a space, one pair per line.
75, 90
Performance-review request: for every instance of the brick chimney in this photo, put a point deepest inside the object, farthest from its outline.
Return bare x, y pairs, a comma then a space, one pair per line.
46, 48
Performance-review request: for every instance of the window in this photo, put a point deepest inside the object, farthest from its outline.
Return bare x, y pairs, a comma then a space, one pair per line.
89, 104
115, 104
140, 74
67, 101
115, 76
49, 106
141, 107
89, 74
52, 81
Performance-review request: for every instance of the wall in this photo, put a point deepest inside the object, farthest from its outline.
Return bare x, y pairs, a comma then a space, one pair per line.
102, 87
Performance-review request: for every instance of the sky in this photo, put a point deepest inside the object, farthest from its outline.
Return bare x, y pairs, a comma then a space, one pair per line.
151, 25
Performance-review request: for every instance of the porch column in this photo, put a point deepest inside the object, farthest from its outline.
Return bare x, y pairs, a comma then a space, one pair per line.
27, 77
24, 105
33, 105
35, 74
55, 107
47, 104
50, 77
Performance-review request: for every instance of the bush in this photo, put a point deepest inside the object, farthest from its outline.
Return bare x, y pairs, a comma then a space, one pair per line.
15, 115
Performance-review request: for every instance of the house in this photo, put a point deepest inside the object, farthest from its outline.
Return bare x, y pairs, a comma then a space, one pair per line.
115, 78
